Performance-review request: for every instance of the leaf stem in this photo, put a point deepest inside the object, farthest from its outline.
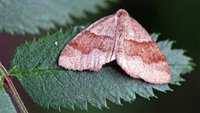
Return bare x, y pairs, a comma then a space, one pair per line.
7, 81
3, 70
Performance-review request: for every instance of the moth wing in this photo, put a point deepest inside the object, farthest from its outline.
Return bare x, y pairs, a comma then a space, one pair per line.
139, 55
91, 48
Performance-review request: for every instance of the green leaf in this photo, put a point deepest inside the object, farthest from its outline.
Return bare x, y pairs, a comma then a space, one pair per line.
6, 105
179, 63
35, 64
27, 16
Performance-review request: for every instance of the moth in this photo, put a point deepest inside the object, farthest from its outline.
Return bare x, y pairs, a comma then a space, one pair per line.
117, 37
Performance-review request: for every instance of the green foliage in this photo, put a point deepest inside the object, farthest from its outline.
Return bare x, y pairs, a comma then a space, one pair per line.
35, 64
6, 105
27, 16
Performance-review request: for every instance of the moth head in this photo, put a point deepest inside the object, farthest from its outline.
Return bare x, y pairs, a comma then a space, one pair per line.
121, 13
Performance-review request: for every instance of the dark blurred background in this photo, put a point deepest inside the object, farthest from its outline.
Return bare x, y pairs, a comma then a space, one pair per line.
177, 20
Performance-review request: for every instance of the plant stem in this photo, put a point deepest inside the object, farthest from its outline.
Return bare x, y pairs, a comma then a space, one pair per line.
3, 70
7, 81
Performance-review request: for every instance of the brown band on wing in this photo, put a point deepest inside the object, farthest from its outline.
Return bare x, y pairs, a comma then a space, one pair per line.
66, 52
86, 41
148, 51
